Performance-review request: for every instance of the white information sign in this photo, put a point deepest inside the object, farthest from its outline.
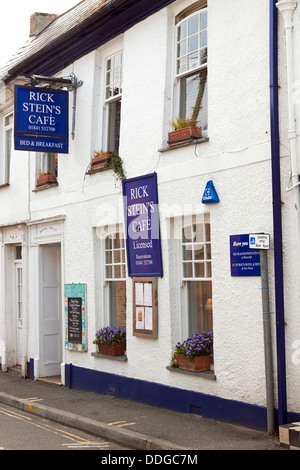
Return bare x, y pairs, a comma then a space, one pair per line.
259, 241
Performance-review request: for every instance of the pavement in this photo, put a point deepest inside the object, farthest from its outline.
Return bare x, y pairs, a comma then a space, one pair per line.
134, 425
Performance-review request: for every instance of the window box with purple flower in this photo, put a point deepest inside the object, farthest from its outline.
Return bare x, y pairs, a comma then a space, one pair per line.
194, 353
111, 340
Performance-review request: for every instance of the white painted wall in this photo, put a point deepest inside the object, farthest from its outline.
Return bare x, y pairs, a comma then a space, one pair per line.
237, 158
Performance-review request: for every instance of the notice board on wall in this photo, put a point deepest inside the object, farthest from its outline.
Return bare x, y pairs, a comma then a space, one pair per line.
75, 317
145, 307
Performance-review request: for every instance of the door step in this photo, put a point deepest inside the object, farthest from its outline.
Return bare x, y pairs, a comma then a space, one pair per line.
56, 380
15, 370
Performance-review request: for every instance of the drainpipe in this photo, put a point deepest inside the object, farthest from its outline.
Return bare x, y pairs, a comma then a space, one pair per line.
277, 221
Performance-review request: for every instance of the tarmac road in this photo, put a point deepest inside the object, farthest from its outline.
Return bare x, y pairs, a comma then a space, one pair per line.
130, 424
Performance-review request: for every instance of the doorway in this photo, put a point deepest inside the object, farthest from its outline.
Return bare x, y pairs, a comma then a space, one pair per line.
50, 311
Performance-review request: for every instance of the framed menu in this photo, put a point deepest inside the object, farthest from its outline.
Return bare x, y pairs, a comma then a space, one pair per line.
145, 307
75, 317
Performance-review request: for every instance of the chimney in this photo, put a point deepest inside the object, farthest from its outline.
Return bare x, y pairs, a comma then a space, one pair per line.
39, 21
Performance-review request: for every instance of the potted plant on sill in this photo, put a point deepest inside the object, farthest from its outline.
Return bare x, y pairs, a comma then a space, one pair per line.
185, 130
194, 353
100, 159
46, 179
111, 340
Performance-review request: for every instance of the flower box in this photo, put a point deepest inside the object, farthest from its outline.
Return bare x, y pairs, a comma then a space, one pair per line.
44, 180
100, 161
184, 135
196, 364
116, 349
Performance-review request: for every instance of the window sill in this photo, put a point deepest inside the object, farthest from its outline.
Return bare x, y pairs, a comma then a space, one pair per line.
99, 170
115, 358
187, 144
46, 186
208, 374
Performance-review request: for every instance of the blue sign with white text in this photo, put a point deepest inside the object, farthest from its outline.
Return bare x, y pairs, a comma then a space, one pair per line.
41, 119
142, 226
244, 261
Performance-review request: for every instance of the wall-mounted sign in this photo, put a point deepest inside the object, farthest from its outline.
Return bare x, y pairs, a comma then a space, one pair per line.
210, 194
243, 260
41, 119
145, 307
75, 317
142, 226
259, 241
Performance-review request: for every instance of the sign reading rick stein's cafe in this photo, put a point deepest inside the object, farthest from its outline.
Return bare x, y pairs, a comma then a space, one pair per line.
41, 119
142, 226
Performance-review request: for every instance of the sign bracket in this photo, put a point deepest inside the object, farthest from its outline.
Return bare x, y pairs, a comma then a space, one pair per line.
70, 82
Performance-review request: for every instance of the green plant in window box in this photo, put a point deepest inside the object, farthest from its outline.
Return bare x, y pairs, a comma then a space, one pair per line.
194, 353
116, 164
185, 130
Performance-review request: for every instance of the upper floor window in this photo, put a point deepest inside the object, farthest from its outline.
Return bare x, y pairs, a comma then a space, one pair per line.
113, 94
7, 133
191, 67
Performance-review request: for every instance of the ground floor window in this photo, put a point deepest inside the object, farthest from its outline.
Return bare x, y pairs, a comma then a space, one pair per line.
196, 271
115, 279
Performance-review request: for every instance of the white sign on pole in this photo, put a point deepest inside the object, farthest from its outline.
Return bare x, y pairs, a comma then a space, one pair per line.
259, 241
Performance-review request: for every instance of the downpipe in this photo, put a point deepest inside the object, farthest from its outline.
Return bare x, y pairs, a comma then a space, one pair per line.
277, 216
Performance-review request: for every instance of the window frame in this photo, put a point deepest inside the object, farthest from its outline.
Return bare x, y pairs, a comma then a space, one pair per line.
113, 100
179, 109
180, 226
5, 150
109, 280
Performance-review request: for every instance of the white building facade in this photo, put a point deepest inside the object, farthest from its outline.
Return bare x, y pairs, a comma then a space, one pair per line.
137, 68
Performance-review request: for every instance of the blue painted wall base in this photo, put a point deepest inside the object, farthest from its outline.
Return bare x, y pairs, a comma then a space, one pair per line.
163, 396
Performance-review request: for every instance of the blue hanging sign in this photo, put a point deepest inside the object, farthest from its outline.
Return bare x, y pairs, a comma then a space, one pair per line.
41, 119
142, 226
244, 260
210, 194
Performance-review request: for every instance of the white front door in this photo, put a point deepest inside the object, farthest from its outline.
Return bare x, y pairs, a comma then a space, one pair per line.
50, 311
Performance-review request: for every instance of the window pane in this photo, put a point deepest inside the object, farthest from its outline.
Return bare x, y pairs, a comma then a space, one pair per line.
203, 20
187, 270
199, 252
200, 306
193, 102
181, 31
199, 270
114, 126
193, 44
193, 25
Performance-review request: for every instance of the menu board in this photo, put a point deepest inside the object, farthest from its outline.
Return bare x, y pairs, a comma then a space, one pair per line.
145, 307
75, 317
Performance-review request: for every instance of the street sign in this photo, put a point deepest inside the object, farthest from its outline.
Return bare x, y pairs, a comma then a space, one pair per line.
41, 119
259, 241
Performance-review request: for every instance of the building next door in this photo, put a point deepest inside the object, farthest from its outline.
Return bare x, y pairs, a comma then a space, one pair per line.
50, 311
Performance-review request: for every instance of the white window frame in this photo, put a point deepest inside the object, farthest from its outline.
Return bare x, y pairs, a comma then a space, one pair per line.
190, 71
7, 133
118, 270
181, 225
112, 99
